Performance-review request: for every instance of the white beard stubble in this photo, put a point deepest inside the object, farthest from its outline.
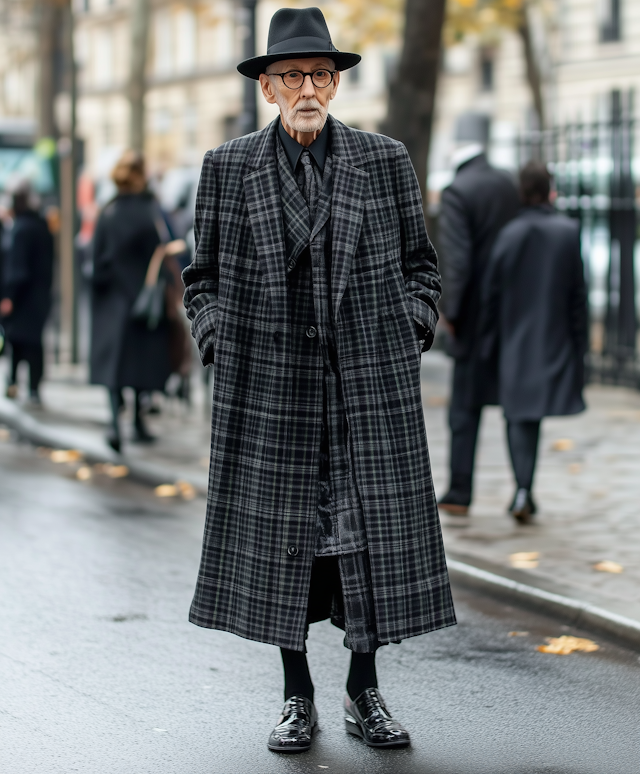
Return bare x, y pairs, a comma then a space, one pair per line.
301, 123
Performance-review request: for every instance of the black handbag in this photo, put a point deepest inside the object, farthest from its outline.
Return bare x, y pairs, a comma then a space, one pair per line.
150, 306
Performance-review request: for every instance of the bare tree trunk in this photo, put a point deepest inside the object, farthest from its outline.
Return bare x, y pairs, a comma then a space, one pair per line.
48, 24
413, 89
533, 72
140, 17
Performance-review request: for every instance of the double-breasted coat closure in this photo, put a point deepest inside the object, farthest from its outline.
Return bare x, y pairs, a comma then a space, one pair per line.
477, 204
124, 353
27, 278
535, 315
260, 531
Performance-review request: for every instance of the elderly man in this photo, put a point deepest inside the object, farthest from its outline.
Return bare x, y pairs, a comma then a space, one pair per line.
313, 292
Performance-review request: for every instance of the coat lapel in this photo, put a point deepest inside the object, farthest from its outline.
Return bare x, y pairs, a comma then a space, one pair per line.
262, 192
350, 187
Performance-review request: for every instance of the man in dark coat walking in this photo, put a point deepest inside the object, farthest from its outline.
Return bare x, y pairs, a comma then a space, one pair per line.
474, 208
313, 292
27, 279
535, 320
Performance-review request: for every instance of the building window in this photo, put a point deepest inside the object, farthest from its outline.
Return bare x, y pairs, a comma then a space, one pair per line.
486, 70
162, 121
609, 20
103, 56
163, 49
185, 40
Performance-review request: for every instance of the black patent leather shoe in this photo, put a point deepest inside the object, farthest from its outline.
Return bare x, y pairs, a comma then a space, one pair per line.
295, 726
523, 507
369, 718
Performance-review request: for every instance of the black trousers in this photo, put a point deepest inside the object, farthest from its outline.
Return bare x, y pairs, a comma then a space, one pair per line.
523, 448
33, 354
464, 424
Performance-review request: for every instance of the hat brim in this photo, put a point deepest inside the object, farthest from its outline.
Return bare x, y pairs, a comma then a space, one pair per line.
254, 67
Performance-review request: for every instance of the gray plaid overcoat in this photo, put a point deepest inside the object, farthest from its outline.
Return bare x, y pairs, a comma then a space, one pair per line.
267, 407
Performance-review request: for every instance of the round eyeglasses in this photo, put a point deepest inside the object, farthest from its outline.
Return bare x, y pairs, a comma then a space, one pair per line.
294, 78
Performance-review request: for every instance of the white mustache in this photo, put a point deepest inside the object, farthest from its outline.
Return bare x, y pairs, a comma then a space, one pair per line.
311, 104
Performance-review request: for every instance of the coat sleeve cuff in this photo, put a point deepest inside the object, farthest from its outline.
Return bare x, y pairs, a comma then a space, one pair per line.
425, 321
203, 327
207, 349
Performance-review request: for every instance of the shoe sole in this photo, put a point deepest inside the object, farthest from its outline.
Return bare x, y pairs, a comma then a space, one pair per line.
454, 510
352, 727
289, 749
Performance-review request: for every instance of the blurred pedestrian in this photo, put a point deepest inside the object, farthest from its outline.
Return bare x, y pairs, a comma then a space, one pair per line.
535, 320
313, 293
26, 292
128, 352
474, 208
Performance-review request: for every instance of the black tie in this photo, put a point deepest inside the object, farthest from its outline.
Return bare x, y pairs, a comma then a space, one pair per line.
310, 182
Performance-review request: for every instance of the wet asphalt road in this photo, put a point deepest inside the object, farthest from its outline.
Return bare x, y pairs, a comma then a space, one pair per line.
101, 673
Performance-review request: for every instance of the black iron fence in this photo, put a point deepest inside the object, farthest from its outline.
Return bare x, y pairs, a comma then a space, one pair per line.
597, 177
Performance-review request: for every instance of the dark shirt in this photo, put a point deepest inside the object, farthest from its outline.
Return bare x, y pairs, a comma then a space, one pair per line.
293, 149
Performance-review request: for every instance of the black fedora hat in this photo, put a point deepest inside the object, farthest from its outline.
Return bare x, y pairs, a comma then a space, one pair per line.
293, 34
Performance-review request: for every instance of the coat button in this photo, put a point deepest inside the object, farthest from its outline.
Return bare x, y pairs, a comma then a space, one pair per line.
311, 332
292, 550
276, 335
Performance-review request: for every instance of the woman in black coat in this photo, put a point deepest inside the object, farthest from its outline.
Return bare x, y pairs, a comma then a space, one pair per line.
124, 352
535, 314
26, 292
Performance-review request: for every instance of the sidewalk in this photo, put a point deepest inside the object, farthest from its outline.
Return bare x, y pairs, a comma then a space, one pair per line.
588, 495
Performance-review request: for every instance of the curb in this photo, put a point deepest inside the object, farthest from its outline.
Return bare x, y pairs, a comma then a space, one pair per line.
579, 614
92, 450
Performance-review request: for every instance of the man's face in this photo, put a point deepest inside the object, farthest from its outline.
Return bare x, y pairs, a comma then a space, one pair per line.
304, 109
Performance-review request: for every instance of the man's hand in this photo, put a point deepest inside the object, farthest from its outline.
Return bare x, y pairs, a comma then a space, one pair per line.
6, 307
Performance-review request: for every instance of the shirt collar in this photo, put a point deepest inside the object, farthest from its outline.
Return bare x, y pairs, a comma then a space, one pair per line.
293, 149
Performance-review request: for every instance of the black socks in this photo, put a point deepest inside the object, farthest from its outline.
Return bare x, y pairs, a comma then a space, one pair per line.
362, 674
297, 679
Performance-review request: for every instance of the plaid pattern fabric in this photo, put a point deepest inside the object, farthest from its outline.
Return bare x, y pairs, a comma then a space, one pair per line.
340, 522
260, 531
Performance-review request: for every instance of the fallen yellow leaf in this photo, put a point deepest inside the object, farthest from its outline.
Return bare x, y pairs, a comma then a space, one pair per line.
116, 471
65, 455
608, 566
84, 473
524, 560
166, 490
518, 634
43, 451
575, 468
563, 444
562, 646
437, 400
186, 490
5, 435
